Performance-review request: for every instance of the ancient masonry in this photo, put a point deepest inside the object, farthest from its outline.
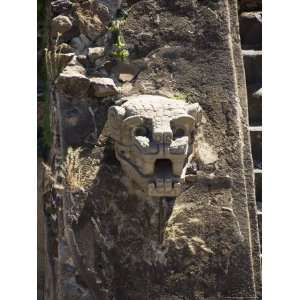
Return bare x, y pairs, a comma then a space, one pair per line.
251, 41
149, 189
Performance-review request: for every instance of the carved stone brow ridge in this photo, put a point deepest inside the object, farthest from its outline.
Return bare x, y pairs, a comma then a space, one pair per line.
154, 106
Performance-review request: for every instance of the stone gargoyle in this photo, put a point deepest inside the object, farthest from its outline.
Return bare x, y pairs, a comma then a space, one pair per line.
153, 138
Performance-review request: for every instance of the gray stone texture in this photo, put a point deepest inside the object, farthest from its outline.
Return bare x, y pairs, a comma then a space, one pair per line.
108, 243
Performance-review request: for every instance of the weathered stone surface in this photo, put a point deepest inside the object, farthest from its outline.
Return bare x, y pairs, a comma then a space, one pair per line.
95, 53
126, 89
103, 87
60, 24
90, 22
201, 244
73, 81
153, 141
206, 154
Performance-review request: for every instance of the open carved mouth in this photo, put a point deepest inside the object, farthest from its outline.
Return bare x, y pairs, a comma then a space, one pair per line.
163, 179
163, 168
164, 184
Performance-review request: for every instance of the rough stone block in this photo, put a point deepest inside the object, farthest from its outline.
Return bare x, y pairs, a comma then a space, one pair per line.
73, 81
103, 87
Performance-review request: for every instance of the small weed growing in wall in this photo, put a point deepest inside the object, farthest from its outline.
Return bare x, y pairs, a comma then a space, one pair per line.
119, 52
181, 96
79, 172
54, 61
184, 96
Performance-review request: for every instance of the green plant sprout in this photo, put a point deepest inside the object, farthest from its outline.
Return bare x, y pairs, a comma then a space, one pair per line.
180, 96
120, 51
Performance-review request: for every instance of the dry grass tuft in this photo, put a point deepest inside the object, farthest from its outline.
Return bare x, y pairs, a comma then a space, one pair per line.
55, 60
80, 172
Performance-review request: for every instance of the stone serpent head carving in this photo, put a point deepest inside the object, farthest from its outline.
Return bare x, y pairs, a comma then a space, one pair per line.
153, 139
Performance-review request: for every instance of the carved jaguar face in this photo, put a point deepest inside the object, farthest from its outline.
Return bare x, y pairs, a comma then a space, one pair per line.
153, 139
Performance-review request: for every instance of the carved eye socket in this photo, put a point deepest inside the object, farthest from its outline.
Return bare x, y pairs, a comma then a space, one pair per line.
141, 131
178, 133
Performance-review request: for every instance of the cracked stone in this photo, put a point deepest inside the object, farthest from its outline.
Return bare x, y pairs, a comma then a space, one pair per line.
103, 87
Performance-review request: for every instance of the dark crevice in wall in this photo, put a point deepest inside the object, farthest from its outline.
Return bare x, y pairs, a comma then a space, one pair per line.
250, 19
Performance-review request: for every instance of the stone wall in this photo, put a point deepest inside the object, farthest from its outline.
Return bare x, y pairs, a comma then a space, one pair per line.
251, 41
102, 241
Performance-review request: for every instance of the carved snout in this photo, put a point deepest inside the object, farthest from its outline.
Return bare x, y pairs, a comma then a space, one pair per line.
163, 137
162, 132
